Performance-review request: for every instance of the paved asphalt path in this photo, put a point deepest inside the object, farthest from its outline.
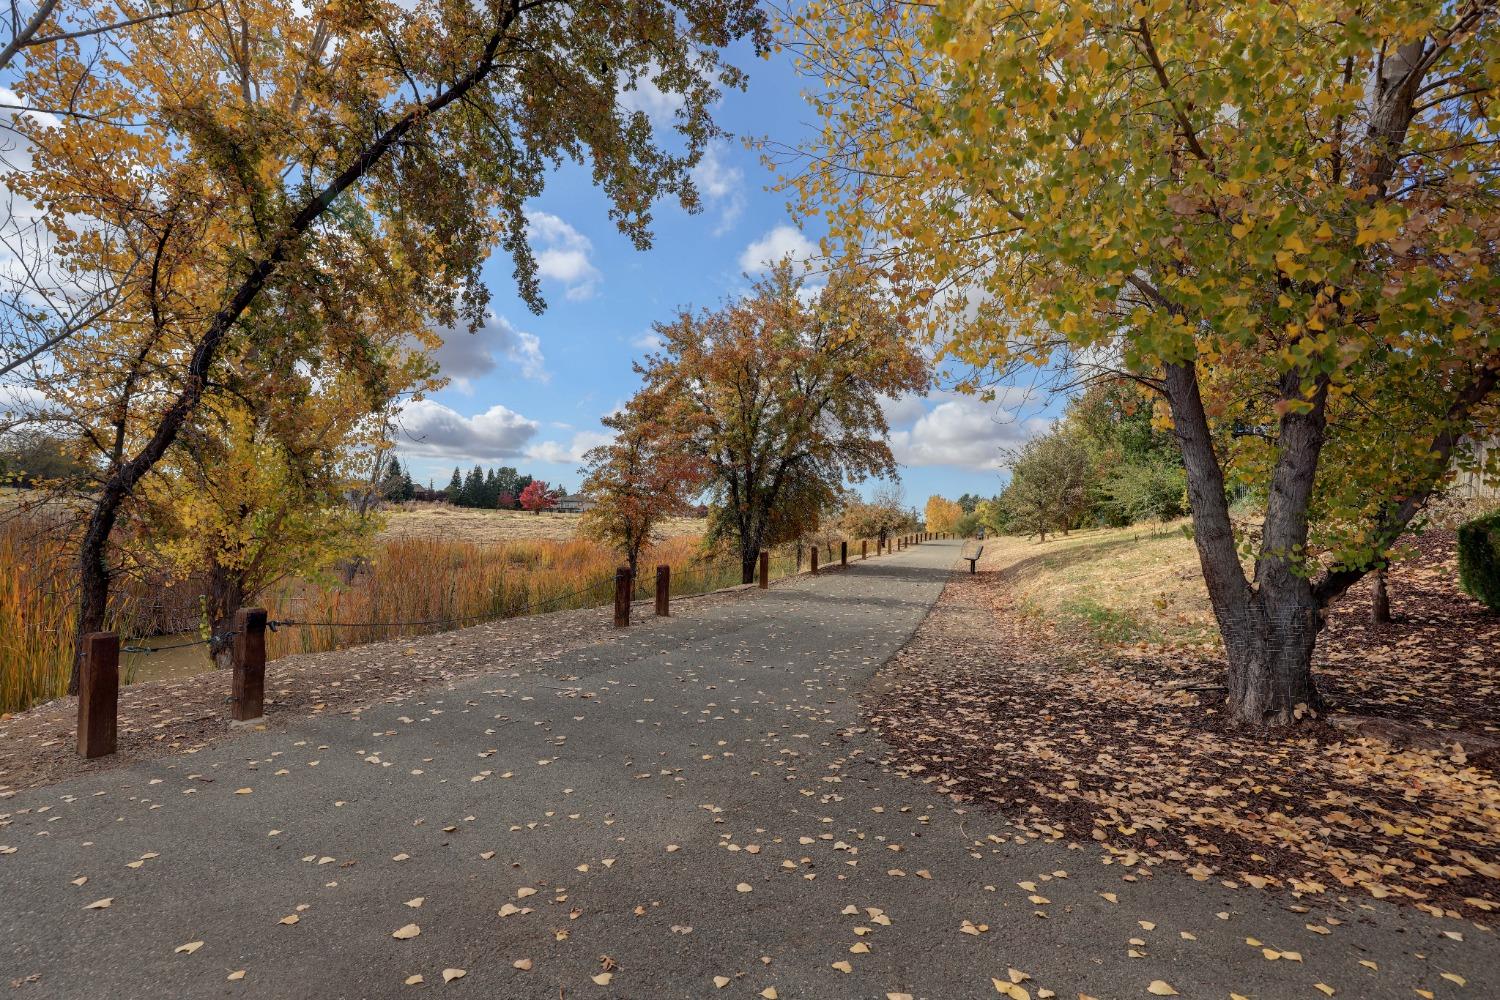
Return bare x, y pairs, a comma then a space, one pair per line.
697, 800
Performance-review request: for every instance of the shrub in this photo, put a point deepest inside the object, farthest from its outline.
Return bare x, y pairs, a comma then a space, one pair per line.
1479, 559
1153, 490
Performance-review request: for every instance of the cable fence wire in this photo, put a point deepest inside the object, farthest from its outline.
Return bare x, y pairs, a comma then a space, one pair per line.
147, 650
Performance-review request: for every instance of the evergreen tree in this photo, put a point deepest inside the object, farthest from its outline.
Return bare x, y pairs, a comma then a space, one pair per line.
473, 488
455, 489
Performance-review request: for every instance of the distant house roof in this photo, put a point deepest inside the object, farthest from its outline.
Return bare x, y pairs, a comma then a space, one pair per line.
575, 503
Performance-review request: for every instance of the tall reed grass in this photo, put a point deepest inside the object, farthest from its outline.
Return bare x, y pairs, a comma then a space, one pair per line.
38, 608
410, 586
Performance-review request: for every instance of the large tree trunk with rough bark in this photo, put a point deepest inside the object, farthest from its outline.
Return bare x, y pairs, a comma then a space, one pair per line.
226, 595
1269, 629
1269, 646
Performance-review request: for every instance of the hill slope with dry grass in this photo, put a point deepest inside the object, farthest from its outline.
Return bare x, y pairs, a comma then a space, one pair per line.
472, 524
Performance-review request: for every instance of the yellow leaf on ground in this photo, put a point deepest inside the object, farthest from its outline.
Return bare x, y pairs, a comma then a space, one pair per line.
415, 980
1161, 988
406, 933
603, 978
524, 964
100, 904
1323, 988
189, 948
451, 974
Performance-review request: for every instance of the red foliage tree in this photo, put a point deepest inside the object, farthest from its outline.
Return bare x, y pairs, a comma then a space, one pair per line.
536, 497
506, 501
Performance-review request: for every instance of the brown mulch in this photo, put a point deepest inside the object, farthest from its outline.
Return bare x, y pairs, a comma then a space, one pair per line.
182, 716
1079, 742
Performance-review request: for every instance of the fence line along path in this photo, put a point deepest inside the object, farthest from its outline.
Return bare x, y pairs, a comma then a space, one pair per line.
98, 705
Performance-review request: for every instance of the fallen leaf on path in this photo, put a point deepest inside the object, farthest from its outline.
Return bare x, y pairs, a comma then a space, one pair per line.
406, 933
189, 948
451, 974
1161, 988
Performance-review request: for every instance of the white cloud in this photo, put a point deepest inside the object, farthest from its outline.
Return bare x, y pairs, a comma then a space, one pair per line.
562, 254
466, 356
963, 431
572, 452
649, 99
430, 429
781, 242
904, 409
722, 185
652, 341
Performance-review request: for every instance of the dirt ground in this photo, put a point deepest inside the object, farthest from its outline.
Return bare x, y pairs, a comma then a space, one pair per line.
470, 524
1078, 739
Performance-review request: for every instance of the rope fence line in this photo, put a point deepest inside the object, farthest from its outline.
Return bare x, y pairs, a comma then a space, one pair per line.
178, 645
98, 695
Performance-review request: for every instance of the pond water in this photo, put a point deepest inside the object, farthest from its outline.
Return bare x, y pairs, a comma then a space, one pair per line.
166, 664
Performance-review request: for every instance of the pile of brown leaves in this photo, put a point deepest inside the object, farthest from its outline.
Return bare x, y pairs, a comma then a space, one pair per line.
1083, 743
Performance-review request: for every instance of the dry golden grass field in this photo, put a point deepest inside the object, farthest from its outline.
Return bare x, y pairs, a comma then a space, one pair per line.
1136, 584
471, 524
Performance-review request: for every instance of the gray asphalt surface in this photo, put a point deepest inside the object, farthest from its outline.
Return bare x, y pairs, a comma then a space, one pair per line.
696, 801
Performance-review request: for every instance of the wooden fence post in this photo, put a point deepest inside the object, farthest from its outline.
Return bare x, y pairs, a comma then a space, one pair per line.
622, 597
663, 590
799, 557
248, 652
98, 694
814, 563
864, 548
765, 569
844, 553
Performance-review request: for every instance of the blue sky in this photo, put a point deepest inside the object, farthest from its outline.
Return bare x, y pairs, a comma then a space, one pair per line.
528, 390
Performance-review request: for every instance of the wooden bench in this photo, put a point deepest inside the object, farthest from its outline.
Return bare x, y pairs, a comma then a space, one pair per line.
974, 558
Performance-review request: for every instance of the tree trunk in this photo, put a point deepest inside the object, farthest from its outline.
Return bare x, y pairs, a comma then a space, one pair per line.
1269, 647
226, 595
1380, 600
1268, 630
93, 571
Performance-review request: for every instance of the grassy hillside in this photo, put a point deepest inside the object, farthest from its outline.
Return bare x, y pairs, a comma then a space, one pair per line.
471, 524
1121, 585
